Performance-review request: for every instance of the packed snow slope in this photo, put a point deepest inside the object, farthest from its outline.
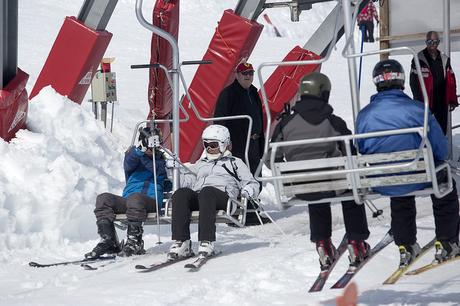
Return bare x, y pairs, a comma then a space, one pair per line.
51, 174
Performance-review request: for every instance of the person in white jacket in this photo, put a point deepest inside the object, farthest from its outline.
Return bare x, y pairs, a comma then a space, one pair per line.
215, 178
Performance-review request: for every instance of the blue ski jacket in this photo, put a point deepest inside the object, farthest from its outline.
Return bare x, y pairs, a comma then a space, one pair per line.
139, 174
393, 109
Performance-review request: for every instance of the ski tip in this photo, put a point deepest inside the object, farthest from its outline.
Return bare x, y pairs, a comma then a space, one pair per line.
140, 267
34, 264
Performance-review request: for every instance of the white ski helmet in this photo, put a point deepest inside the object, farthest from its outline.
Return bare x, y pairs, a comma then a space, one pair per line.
219, 133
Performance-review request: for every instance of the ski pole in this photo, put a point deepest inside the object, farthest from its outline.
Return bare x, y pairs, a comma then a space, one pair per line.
154, 142
362, 28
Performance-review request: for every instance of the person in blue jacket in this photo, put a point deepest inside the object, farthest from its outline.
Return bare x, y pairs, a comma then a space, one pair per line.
138, 199
392, 109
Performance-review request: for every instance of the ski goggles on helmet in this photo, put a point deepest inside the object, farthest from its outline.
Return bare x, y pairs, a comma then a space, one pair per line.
433, 42
210, 144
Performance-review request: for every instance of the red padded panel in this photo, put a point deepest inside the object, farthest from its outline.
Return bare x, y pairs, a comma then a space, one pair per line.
13, 106
166, 17
233, 40
73, 59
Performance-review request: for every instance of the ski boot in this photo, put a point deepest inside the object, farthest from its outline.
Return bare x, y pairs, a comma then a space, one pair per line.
407, 253
358, 251
109, 241
327, 253
206, 248
180, 249
134, 244
446, 250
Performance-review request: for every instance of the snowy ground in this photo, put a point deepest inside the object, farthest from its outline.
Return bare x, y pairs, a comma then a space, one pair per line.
51, 174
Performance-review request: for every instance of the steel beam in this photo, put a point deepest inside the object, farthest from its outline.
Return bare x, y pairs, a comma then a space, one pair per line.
96, 14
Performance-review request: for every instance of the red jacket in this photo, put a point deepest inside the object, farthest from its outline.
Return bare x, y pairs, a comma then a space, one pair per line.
368, 13
451, 84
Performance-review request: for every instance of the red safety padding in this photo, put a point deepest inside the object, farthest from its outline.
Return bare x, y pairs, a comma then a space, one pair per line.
282, 86
234, 39
73, 60
13, 106
166, 17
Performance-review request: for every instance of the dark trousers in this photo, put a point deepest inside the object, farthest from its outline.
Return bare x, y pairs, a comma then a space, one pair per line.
354, 217
440, 112
136, 206
207, 201
368, 33
446, 218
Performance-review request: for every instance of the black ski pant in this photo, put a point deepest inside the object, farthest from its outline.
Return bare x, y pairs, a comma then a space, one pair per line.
446, 218
354, 217
368, 33
136, 206
207, 201
440, 111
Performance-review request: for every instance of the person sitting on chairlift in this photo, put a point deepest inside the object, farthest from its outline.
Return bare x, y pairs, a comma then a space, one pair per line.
137, 201
312, 117
391, 109
215, 178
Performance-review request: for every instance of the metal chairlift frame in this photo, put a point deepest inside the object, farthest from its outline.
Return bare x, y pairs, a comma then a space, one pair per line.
236, 209
352, 170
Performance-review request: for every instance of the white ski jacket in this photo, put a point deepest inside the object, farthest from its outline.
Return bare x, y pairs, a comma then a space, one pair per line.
228, 173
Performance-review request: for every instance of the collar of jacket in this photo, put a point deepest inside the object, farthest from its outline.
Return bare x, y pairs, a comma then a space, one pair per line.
227, 154
387, 94
238, 86
312, 109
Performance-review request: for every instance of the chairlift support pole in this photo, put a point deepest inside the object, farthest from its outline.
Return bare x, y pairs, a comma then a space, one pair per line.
175, 81
352, 73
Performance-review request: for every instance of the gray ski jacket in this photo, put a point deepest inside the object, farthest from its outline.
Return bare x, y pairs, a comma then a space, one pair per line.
310, 118
228, 173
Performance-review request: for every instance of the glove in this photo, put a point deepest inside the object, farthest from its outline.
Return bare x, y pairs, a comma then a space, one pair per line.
246, 192
170, 163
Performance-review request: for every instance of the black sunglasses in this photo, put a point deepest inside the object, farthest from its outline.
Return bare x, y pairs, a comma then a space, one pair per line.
211, 144
251, 73
432, 42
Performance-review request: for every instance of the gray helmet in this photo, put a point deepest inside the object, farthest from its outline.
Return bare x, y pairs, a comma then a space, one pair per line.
315, 84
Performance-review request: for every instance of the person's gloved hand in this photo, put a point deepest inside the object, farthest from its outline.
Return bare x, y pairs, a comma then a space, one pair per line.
170, 162
246, 192
141, 147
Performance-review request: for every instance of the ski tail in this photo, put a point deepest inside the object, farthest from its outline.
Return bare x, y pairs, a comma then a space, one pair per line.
324, 275
353, 270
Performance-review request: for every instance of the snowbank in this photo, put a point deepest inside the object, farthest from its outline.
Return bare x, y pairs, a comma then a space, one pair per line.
51, 174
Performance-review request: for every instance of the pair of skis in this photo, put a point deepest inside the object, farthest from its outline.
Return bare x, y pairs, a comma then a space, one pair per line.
352, 270
193, 266
405, 270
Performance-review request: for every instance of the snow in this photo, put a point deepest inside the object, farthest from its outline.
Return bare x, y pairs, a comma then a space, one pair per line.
51, 174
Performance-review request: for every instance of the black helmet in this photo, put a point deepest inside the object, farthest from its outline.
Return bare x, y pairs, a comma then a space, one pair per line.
144, 134
315, 84
388, 74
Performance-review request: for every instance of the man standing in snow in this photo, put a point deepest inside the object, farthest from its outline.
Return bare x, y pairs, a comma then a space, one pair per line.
215, 178
439, 79
241, 98
365, 21
391, 109
312, 117
137, 201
